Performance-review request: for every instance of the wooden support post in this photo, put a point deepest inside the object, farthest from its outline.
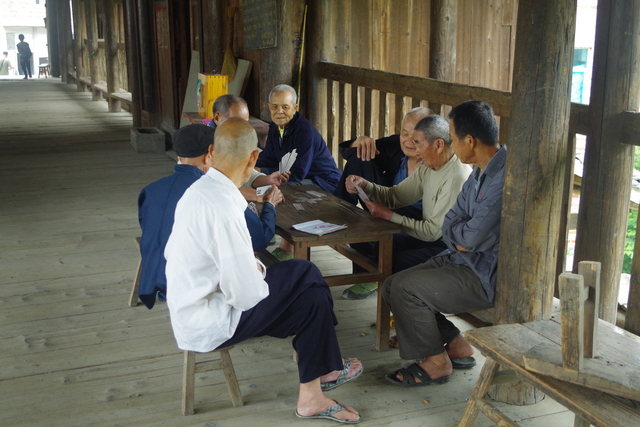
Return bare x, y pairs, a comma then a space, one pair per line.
92, 33
534, 170
608, 165
572, 295
78, 25
64, 39
111, 54
565, 211
590, 272
133, 61
53, 42
442, 52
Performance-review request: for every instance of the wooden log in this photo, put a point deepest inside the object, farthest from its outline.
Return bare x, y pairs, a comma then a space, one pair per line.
53, 41
442, 52
608, 165
133, 61
565, 209
535, 168
632, 321
65, 41
92, 34
111, 54
78, 25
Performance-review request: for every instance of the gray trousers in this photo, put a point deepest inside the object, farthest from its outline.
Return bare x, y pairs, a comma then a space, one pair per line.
419, 295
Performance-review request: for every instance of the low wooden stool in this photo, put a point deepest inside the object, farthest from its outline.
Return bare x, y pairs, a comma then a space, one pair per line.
191, 367
133, 299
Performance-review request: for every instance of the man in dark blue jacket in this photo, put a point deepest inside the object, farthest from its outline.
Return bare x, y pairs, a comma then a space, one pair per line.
289, 131
157, 204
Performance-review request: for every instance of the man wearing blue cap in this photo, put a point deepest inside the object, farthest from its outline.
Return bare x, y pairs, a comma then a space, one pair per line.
157, 204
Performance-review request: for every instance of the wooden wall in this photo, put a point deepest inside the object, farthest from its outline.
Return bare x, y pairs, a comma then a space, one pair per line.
384, 35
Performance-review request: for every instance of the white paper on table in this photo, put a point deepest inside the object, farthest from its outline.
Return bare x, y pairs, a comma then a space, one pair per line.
318, 227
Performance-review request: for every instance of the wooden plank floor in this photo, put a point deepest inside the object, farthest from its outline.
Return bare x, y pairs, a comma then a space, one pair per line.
72, 353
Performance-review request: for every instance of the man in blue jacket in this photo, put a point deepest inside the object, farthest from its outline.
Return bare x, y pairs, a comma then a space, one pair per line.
157, 204
464, 277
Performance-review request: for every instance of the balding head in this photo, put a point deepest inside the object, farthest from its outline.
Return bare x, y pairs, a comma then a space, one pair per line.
235, 139
226, 106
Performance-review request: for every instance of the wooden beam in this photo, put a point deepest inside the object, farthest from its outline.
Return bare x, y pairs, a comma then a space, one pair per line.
111, 53
534, 171
78, 24
442, 52
133, 61
53, 41
608, 166
92, 44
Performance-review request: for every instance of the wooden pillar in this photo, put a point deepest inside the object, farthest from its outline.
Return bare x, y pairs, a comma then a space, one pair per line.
111, 53
133, 61
534, 174
92, 45
608, 165
442, 53
52, 37
65, 40
213, 23
317, 87
78, 25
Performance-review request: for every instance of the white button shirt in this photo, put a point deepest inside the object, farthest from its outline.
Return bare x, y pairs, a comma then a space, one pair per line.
211, 270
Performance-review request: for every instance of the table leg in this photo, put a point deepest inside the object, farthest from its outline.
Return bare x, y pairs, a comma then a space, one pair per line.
301, 251
479, 392
385, 255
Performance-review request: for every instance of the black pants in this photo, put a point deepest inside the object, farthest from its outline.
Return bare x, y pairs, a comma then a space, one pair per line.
26, 67
300, 304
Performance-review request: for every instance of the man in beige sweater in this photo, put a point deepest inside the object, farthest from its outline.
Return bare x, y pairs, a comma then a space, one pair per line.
437, 182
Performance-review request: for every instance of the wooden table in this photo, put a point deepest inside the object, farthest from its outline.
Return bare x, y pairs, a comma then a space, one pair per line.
361, 227
506, 345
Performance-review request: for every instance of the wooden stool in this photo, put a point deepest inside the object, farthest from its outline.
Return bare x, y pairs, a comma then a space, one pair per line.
43, 69
191, 367
133, 299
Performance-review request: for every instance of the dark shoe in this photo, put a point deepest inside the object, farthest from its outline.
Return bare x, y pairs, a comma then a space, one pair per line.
360, 291
409, 375
463, 363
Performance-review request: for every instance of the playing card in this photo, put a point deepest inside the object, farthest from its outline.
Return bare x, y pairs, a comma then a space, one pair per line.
298, 206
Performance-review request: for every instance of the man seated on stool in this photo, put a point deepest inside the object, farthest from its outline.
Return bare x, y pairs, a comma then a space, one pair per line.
387, 161
157, 204
288, 131
219, 295
437, 182
463, 278
226, 106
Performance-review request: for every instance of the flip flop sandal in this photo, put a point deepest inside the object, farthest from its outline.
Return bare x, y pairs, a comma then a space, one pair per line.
342, 378
463, 363
409, 375
327, 414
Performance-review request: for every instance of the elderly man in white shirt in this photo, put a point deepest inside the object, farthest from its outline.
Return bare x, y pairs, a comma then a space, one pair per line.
219, 295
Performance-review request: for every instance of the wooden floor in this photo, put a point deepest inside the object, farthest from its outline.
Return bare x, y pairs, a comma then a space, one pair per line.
73, 353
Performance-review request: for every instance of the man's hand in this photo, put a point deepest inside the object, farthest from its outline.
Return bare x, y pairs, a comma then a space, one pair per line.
273, 196
278, 179
460, 248
365, 147
353, 180
378, 210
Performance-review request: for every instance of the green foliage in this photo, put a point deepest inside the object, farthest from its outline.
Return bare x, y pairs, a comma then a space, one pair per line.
631, 225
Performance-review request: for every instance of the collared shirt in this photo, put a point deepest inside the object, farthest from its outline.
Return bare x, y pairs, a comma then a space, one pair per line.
402, 174
211, 271
474, 222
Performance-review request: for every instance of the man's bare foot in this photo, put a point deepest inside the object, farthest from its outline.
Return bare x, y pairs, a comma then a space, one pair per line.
435, 366
458, 348
355, 367
312, 407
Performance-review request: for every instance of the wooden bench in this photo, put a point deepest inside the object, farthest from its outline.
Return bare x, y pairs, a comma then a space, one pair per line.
602, 390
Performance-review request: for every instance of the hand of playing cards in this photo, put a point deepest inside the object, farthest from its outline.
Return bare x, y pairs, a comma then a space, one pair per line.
287, 161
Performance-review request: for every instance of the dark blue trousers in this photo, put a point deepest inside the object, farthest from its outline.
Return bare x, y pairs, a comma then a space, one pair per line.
300, 304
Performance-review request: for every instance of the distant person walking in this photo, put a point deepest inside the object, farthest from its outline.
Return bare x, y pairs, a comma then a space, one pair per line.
5, 64
24, 56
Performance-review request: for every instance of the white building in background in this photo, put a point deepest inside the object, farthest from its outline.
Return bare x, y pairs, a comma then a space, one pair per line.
24, 17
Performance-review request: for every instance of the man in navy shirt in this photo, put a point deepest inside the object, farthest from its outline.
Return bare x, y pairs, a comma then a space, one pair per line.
464, 277
157, 204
